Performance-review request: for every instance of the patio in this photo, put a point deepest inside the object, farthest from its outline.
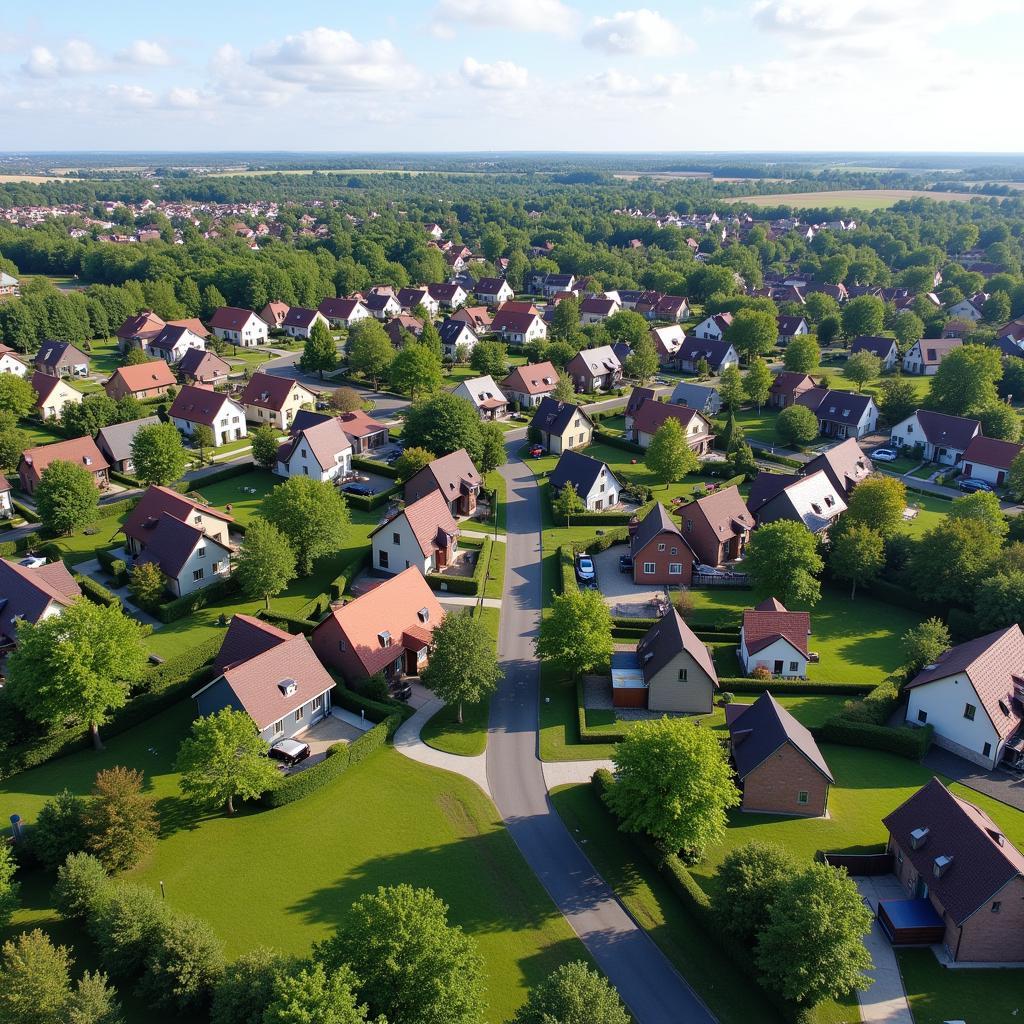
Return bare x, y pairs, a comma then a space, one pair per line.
620, 593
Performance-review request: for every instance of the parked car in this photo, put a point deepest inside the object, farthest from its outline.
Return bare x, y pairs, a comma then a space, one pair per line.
289, 751
585, 571
884, 455
402, 690
536, 451
971, 485
625, 563
708, 570
33, 561
364, 489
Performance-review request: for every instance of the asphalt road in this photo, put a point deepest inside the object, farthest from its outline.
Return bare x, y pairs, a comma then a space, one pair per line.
648, 984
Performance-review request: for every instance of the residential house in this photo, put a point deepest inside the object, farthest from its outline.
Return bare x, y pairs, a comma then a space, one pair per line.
197, 405
54, 394
779, 768
661, 555
667, 343
174, 342
972, 695
181, 550
198, 367
61, 359
841, 413
299, 322
972, 308
448, 296
343, 312
989, 459
596, 308
9, 285
11, 362
713, 328
387, 630
670, 670
702, 397
476, 317
593, 481
80, 451
594, 369
668, 307
647, 417
935, 436
397, 327
410, 298
493, 291
790, 327
485, 396
561, 426
455, 476
637, 397
953, 860
158, 501
363, 431
719, 355
926, 355
787, 388
424, 534
844, 464
273, 676
518, 328
6, 506
322, 451
273, 314
31, 595
115, 442
142, 380
958, 329
453, 334
139, 330
885, 349
274, 400
811, 500
526, 385
775, 639
239, 326
382, 306
554, 283
717, 527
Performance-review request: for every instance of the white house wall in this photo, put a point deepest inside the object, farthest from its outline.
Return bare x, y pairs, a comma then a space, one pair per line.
944, 701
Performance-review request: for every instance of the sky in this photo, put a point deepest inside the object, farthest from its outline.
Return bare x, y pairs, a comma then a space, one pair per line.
472, 75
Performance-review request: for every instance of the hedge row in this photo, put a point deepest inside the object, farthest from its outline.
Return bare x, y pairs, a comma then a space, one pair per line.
224, 473
171, 611
17, 547
162, 686
372, 466
893, 593
586, 734
697, 904
743, 684
566, 569
367, 503
617, 441
905, 741
96, 592
111, 509
26, 513
375, 710
349, 570
340, 757
595, 518
471, 585
287, 622
782, 460
124, 478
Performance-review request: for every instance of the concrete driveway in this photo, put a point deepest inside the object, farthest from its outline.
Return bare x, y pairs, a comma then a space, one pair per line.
621, 594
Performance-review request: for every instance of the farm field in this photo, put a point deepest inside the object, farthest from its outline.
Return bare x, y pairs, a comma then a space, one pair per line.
854, 199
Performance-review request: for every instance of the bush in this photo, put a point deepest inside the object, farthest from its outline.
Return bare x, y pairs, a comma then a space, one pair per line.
80, 881
741, 684
338, 760
904, 741
125, 922
171, 611
225, 473
59, 829
372, 466
96, 592
367, 503
185, 961
603, 437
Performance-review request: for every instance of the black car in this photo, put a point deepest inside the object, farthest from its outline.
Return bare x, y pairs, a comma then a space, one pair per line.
625, 563
400, 691
289, 751
363, 489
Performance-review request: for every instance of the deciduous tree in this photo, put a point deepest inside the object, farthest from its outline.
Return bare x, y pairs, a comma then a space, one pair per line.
862, 367
672, 782
668, 456
1000, 421
158, 455
35, 980
802, 354
490, 358
573, 994
783, 561
265, 444
444, 424
897, 399
411, 461
463, 663
750, 879
757, 384
344, 400
857, 555
320, 353
753, 332
311, 514
120, 819
568, 503
878, 503
965, 382
417, 372
984, 507
246, 987
952, 557
17, 395
147, 584
184, 962
202, 438
59, 829
730, 387
66, 497
577, 635
642, 361
369, 349
864, 315
311, 994
796, 425
492, 453
266, 562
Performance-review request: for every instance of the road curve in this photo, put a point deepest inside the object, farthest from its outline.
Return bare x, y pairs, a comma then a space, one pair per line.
648, 984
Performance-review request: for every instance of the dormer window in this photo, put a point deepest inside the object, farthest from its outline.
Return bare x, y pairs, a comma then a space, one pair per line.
423, 615
385, 638
287, 687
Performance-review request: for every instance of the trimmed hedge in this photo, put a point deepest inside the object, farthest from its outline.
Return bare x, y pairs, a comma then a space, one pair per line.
29, 515
287, 622
107, 559
596, 518
617, 441
471, 585
372, 466
171, 611
369, 503
124, 478
116, 508
315, 608
340, 757
224, 473
905, 741
586, 734
376, 710
893, 593
782, 460
566, 569
742, 684
96, 592
349, 571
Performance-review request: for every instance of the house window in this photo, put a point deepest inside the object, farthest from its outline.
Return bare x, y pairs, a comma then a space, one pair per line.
648, 568
318, 702
682, 675
341, 645
986, 750
396, 538
300, 713
279, 727
661, 547
801, 797
302, 452
794, 666
382, 559
675, 568
922, 717
969, 712
197, 575
997, 905
200, 552
674, 551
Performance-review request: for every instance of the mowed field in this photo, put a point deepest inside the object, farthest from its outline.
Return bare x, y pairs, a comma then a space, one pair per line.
32, 179
860, 199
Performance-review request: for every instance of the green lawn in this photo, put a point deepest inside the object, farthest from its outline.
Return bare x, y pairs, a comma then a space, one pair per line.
104, 356
858, 641
385, 821
758, 425
235, 492
931, 511
39, 433
614, 424
979, 996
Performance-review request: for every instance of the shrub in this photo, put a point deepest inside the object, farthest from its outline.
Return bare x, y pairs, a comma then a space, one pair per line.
171, 611
185, 961
59, 829
904, 741
246, 986
761, 672
81, 880
96, 592
126, 920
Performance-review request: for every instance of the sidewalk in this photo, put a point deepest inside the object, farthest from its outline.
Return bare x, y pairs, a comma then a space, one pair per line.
568, 773
885, 1002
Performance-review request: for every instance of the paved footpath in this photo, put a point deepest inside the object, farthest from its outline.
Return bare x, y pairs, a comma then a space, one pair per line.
885, 1002
651, 988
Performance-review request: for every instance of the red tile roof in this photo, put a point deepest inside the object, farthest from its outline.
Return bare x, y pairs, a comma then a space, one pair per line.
651, 414
762, 628
144, 376
989, 451
82, 451
430, 520
197, 404
246, 637
267, 391
231, 318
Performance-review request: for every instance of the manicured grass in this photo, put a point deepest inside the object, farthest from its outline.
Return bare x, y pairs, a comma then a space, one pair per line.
758, 425
614, 424
495, 579
82, 545
39, 433
858, 641
931, 511
386, 821
494, 481
104, 356
852, 199
979, 996
235, 492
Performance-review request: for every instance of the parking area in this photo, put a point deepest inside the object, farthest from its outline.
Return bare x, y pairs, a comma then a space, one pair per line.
621, 594
375, 482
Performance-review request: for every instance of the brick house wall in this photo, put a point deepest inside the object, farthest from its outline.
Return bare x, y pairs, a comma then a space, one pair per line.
663, 552
775, 785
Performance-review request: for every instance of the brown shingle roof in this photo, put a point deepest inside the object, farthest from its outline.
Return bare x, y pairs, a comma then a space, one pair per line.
430, 520
762, 628
197, 405
143, 326
532, 379
454, 474
26, 593
203, 365
267, 391
724, 511
158, 500
82, 451
989, 451
983, 860
246, 637
757, 730
143, 376
668, 637
651, 414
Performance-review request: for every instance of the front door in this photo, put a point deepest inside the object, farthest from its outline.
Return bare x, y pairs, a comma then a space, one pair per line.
777, 669
410, 663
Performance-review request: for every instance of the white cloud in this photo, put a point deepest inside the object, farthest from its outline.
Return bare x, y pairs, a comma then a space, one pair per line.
41, 63
617, 83
331, 60
131, 95
502, 74
76, 57
145, 53
521, 15
183, 98
643, 33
